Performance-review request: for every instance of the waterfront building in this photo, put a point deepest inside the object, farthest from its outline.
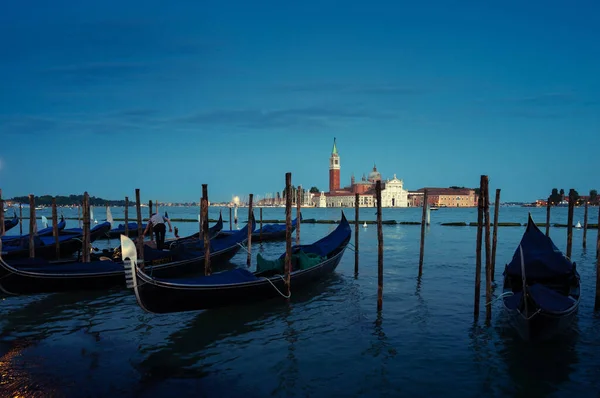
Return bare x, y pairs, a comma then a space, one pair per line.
444, 197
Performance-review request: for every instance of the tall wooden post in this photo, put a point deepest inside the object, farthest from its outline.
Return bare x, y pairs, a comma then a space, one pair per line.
140, 239
149, 216
32, 226
205, 237
379, 247
288, 231
260, 230
423, 222
21, 219
85, 251
495, 233
79, 224
548, 205
55, 228
298, 209
570, 223
478, 255
597, 301
250, 219
585, 224
126, 215
488, 264
2, 231
356, 207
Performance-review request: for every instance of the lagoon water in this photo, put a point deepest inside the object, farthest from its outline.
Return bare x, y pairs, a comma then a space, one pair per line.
328, 341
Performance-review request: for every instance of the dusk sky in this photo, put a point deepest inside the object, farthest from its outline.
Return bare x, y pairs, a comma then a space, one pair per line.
165, 96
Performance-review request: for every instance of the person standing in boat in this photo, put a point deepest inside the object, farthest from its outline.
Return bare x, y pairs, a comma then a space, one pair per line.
157, 223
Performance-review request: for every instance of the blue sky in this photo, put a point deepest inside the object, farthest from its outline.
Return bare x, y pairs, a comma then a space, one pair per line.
165, 96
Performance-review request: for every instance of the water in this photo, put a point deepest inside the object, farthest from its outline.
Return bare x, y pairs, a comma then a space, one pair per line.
328, 341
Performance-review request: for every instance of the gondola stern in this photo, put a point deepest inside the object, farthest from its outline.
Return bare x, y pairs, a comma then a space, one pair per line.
130, 262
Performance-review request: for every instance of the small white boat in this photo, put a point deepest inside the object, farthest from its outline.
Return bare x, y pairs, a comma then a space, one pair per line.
578, 225
365, 225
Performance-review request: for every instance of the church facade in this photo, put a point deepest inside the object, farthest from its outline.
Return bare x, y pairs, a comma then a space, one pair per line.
393, 193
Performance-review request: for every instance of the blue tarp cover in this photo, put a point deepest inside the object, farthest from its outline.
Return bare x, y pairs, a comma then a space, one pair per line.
43, 266
513, 302
549, 300
542, 258
238, 275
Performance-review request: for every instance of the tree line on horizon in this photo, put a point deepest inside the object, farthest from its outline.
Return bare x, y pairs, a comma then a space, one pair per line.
70, 200
558, 196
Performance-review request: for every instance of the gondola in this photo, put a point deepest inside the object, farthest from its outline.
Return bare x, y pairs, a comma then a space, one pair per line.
213, 232
42, 232
29, 276
270, 232
309, 262
115, 233
45, 247
541, 292
13, 222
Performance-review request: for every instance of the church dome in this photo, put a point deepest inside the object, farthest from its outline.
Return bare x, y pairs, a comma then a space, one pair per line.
374, 175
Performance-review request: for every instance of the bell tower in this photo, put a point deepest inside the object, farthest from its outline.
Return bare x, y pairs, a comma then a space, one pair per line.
334, 169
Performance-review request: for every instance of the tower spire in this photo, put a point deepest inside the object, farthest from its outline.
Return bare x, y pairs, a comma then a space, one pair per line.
334, 150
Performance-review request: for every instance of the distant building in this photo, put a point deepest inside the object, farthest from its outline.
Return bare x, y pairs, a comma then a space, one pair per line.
393, 193
444, 197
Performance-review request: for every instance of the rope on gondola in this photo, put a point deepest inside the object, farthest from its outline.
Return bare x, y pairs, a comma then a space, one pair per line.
275, 287
506, 294
243, 247
352, 247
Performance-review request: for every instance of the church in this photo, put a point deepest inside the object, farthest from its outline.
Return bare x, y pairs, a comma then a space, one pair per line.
392, 190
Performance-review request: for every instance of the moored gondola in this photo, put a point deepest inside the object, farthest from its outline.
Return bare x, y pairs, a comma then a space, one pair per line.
269, 233
13, 222
541, 291
42, 232
28, 276
309, 262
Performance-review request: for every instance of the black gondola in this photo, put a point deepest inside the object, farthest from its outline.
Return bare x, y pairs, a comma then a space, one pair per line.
42, 232
158, 295
70, 243
28, 276
13, 222
541, 291
270, 232
213, 232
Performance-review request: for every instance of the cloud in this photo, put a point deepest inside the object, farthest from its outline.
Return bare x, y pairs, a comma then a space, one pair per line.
548, 99
342, 88
278, 118
25, 125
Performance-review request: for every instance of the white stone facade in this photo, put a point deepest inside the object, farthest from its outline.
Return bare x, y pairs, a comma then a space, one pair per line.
394, 194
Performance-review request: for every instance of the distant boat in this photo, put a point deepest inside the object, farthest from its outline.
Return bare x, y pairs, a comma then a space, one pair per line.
433, 208
365, 225
578, 225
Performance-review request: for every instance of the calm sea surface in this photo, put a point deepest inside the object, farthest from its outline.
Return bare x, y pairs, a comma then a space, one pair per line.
327, 341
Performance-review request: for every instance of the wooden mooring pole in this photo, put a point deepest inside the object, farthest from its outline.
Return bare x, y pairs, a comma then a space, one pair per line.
570, 223
423, 226
356, 211
298, 210
55, 228
21, 219
260, 230
230, 222
250, 219
548, 206
140, 239
379, 248
495, 233
32, 226
288, 231
205, 237
149, 216
585, 224
478, 253
126, 215
488, 262
79, 224
2, 231
85, 249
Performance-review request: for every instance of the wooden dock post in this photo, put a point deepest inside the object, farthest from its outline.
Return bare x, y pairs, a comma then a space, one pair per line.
488, 262
495, 233
85, 250
288, 231
55, 228
21, 219
140, 239
298, 210
260, 230
79, 224
585, 224
149, 216
478, 254
423, 222
356, 207
570, 223
126, 215
597, 303
548, 205
250, 217
2, 231
32, 226
205, 237
230, 224
379, 247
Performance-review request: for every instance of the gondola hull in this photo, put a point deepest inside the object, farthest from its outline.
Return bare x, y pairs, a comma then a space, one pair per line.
163, 298
542, 326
